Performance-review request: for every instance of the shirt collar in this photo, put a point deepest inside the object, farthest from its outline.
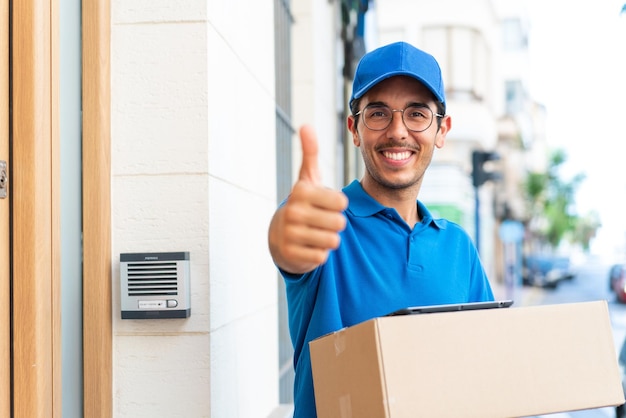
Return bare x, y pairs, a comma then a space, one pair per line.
363, 205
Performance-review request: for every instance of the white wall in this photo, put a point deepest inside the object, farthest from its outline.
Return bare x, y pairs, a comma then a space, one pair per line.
317, 86
193, 170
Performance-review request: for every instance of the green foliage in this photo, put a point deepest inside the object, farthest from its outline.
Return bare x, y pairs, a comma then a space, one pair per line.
551, 205
586, 229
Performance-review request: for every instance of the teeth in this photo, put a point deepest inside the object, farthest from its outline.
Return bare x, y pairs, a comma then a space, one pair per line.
397, 155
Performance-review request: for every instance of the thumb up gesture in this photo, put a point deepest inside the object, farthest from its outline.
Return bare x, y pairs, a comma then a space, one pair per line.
306, 228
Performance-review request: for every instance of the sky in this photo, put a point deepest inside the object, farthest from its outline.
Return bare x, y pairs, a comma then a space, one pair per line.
578, 67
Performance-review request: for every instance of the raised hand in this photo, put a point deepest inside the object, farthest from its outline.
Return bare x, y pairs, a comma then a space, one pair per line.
306, 228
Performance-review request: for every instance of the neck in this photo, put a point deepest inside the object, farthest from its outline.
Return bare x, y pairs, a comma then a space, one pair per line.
403, 200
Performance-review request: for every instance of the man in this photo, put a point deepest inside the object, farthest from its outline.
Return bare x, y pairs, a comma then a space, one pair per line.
352, 256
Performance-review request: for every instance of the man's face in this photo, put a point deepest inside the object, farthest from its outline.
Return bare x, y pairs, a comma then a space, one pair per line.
396, 157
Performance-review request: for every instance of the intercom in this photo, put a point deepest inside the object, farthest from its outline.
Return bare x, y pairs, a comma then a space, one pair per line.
155, 285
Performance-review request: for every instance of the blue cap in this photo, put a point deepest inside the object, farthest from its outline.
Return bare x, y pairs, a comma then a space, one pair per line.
399, 58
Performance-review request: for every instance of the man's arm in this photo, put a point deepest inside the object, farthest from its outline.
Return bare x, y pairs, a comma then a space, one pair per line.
306, 228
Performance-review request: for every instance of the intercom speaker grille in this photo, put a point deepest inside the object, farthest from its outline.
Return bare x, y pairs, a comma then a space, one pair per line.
155, 285
152, 279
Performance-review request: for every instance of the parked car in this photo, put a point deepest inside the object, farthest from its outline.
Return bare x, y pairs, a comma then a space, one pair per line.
617, 281
545, 270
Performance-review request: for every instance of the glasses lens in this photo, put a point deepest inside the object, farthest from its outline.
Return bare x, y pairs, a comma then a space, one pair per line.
417, 118
379, 117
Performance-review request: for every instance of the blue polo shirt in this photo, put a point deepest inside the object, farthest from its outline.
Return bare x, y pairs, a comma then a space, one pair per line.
381, 265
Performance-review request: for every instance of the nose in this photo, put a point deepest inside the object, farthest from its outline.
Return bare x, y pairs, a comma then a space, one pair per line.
397, 127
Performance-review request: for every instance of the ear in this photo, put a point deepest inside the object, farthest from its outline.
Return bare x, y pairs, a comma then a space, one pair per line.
444, 128
351, 122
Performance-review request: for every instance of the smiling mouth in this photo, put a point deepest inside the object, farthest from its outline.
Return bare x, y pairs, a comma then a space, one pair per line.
397, 156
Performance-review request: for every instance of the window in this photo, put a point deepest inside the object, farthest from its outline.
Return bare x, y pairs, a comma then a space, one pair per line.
464, 57
514, 96
513, 35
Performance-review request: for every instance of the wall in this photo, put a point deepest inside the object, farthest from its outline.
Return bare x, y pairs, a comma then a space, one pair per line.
193, 166
317, 87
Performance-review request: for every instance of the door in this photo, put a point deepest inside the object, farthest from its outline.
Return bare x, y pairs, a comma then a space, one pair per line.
30, 320
30, 240
5, 297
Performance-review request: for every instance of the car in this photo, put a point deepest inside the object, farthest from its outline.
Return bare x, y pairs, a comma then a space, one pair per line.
543, 270
614, 273
617, 281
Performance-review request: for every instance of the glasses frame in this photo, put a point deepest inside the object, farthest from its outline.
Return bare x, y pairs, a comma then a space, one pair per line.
432, 116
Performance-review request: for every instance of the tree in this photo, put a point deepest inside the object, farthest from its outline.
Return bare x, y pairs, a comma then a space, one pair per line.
586, 229
551, 203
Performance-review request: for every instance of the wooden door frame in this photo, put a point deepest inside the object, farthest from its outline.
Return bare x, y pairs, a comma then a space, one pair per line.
5, 270
35, 184
35, 252
97, 316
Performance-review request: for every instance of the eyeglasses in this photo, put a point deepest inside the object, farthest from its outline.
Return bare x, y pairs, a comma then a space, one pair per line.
416, 118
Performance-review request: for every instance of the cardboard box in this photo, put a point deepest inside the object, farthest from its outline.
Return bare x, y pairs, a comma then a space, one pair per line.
491, 363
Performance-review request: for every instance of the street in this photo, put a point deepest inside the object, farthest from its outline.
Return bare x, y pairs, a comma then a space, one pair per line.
589, 284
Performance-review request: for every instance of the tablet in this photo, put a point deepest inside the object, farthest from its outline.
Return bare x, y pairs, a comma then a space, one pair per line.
452, 307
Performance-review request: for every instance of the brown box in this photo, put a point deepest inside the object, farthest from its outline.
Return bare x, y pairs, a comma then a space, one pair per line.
490, 363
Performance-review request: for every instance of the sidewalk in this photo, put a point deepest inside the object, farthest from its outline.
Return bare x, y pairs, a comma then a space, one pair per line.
521, 295
589, 413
